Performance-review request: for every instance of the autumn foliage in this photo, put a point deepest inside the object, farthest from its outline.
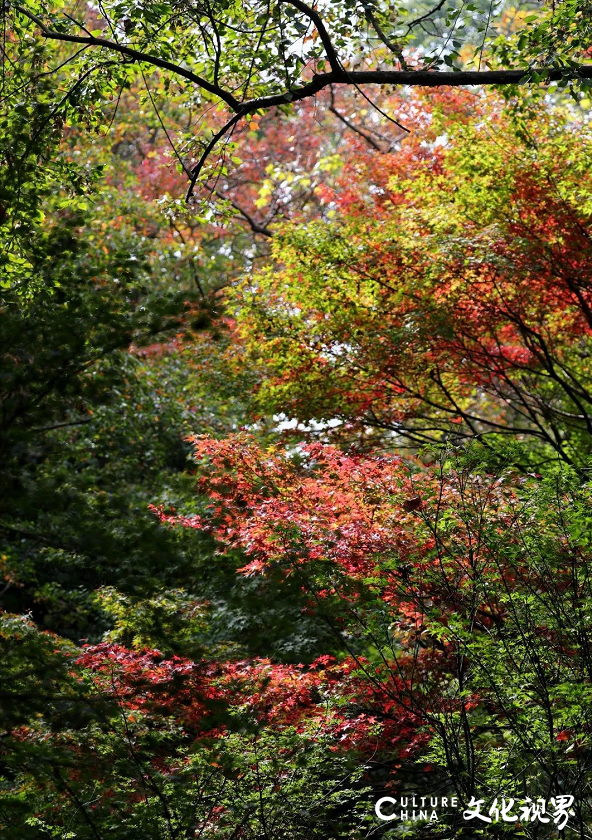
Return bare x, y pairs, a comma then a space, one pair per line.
450, 294
303, 518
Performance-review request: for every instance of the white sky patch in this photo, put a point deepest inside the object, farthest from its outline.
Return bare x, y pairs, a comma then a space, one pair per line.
284, 424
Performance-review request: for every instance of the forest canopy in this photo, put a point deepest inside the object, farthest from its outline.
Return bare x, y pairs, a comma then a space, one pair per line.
295, 421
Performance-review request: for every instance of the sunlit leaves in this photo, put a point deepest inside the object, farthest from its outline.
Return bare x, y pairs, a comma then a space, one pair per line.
444, 299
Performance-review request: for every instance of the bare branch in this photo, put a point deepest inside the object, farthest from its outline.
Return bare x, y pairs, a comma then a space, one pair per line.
367, 137
427, 15
81, 422
414, 78
206, 152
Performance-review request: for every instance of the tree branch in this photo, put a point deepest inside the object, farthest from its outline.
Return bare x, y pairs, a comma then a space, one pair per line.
206, 152
427, 15
367, 137
394, 48
136, 55
314, 16
81, 422
337, 76
412, 78
253, 223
